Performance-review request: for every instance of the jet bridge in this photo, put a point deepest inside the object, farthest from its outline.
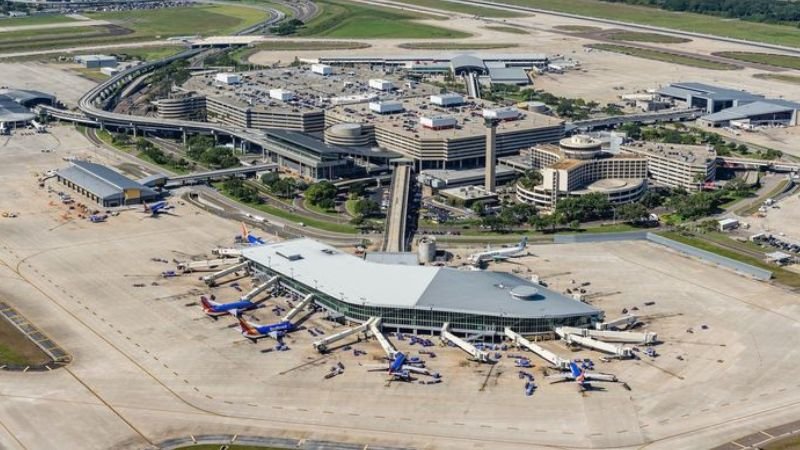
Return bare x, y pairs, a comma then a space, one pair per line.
618, 350
547, 355
626, 337
227, 252
620, 322
387, 346
323, 344
297, 308
477, 355
212, 279
260, 288
206, 264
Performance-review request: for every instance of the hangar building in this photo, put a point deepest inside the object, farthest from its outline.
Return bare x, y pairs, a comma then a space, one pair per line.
103, 185
417, 298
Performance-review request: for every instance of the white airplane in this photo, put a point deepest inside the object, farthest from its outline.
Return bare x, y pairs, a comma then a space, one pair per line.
500, 254
580, 377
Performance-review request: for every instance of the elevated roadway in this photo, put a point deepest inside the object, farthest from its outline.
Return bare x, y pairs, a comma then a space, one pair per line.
202, 177
749, 163
650, 117
398, 210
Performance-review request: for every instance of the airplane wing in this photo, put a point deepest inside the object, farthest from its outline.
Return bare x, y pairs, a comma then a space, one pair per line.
420, 370
234, 312
600, 377
375, 368
558, 378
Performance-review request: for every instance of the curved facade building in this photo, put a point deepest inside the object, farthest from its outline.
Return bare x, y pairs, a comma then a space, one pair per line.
417, 298
347, 135
578, 166
184, 106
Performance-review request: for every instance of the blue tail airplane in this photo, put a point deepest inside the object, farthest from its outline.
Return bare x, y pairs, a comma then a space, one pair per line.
216, 309
254, 331
249, 238
156, 208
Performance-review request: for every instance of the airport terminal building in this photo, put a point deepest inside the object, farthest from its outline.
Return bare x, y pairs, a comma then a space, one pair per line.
417, 298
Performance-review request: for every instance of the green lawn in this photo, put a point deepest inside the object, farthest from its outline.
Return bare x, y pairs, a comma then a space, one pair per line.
295, 218
792, 79
658, 55
719, 26
780, 275
506, 29
344, 20
9, 355
770, 59
203, 20
131, 26
752, 207
456, 45
463, 8
146, 53
35, 20
635, 36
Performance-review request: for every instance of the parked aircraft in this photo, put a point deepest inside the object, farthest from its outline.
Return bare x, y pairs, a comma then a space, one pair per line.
254, 331
580, 377
500, 254
250, 238
400, 368
157, 208
216, 309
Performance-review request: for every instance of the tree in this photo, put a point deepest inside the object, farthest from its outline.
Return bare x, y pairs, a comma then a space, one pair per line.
632, 212
321, 194
366, 207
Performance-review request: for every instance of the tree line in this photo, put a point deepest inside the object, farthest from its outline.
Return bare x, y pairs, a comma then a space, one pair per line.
771, 11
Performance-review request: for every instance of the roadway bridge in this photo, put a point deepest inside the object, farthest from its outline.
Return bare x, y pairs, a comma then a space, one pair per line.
650, 117
203, 177
755, 164
398, 210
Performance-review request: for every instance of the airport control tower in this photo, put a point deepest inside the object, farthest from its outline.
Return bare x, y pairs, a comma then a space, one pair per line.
491, 154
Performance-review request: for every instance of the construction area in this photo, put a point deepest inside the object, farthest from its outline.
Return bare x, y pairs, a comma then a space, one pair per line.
149, 364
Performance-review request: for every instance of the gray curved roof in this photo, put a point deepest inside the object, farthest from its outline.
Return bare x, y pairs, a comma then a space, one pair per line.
359, 281
27, 97
11, 111
466, 62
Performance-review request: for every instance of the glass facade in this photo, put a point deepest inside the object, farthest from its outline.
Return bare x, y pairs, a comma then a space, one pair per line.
428, 319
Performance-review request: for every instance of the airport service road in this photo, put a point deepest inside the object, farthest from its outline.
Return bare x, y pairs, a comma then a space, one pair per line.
149, 366
45, 26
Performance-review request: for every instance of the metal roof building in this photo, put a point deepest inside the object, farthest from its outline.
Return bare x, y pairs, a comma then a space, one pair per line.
15, 104
103, 185
768, 112
508, 75
416, 298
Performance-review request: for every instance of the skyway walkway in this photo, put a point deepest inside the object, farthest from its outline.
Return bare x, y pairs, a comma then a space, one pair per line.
201, 177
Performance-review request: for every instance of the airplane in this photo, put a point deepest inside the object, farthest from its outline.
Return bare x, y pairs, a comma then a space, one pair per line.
216, 309
157, 208
400, 368
580, 377
254, 331
249, 238
501, 254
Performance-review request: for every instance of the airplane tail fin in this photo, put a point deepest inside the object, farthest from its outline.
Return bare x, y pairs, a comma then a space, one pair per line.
245, 231
524, 242
146, 208
246, 328
207, 305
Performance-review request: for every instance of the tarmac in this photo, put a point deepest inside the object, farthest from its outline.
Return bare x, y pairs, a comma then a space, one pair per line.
148, 366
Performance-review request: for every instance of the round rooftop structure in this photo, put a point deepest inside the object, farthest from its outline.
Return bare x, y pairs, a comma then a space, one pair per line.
463, 64
580, 146
524, 292
346, 135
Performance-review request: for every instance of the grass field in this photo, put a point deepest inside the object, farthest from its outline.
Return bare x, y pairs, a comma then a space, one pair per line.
345, 20
456, 45
16, 349
506, 29
752, 207
789, 443
577, 28
35, 20
92, 74
295, 218
719, 26
146, 53
131, 26
311, 45
463, 8
635, 36
166, 22
769, 59
664, 56
793, 79
780, 275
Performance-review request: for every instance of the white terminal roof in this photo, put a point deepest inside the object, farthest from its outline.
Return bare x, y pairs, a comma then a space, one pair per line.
358, 281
